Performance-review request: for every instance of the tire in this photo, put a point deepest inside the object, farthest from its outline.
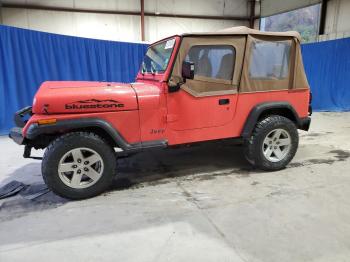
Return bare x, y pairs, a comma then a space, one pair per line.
78, 165
273, 143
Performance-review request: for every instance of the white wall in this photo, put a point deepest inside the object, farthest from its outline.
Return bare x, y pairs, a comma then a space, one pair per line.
100, 26
337, 20
124, 27
160, 27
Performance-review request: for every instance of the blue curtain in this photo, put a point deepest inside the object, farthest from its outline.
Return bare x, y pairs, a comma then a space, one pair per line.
28, 58
327, 66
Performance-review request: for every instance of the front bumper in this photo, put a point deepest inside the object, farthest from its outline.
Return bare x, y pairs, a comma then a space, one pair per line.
21, 116
20, 119
16, 135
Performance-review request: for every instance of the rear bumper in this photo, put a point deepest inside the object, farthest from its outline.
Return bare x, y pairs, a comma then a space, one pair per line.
16, 135
304, 123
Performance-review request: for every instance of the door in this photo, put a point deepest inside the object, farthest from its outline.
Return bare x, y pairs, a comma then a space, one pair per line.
188, 111
208, 100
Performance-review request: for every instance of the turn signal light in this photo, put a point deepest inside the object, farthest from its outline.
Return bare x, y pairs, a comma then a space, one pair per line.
47, 121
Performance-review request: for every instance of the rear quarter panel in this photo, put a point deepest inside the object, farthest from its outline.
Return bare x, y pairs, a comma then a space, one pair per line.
298, 99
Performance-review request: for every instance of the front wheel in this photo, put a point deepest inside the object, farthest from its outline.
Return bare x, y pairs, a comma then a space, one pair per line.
78, 165
272, 144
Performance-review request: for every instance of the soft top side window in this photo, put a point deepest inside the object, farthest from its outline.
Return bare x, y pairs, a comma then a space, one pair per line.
213, 61
269, 60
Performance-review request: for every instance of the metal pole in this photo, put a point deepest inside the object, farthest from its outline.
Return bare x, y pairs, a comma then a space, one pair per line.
115, 12
142, 20
1, 13
252, 14
321, 29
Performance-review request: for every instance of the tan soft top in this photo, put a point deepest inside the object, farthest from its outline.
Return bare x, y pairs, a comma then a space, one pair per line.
243, 30
242, 39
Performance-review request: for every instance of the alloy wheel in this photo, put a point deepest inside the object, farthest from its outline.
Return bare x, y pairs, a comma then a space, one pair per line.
276, 145
80, 168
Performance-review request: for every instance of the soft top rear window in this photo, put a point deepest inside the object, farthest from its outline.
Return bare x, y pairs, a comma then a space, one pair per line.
269, 60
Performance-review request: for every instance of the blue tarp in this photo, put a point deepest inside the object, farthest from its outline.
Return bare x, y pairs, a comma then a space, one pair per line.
28, 58
327, 66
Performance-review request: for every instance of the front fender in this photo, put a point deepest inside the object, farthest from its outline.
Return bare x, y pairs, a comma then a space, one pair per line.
63, 126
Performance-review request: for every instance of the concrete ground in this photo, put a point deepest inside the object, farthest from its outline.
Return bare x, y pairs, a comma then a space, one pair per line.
200, 203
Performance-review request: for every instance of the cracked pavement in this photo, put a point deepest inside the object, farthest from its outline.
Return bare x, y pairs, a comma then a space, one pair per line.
196, 203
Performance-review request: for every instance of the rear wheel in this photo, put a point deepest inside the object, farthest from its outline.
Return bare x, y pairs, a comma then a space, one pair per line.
78, 165
273, 143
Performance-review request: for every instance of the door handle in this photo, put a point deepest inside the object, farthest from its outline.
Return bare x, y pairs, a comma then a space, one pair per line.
224, 101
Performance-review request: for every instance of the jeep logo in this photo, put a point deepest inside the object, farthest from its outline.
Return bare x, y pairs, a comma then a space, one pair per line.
94, 103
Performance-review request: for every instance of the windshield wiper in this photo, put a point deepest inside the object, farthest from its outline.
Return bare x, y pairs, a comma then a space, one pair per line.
153, 68
143, 68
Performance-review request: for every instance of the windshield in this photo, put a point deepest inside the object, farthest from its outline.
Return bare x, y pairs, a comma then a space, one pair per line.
157, 57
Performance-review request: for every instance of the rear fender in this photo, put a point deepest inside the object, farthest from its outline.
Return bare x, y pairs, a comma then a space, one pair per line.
278, 108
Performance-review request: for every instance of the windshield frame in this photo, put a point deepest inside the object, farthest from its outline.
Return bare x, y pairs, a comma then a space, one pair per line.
162, 72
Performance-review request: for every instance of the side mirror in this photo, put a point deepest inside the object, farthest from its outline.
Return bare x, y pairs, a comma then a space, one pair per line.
187, 70
187, 73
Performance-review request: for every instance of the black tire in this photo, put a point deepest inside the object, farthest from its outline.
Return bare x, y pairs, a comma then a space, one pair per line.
253, 147
63, 144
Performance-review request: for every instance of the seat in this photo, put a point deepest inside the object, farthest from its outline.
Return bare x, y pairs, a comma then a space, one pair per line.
204, 67
226, 67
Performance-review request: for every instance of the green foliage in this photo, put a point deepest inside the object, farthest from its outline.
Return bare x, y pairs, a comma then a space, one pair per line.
304, 20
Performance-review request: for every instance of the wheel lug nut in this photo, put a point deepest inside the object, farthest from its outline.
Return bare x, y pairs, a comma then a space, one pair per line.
86, 162
79, 160
74, 166
79, 171
86, 169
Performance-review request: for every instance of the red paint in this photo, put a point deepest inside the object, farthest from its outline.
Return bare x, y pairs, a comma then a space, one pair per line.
126, 122
208, 123
67, 97
148, 112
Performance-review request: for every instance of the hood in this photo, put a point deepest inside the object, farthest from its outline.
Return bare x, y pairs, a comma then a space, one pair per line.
83, 97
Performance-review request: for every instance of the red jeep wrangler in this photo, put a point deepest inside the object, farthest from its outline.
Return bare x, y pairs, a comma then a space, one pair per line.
237, 83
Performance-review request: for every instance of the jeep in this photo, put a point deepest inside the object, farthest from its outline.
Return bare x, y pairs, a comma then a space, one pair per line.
238, 83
